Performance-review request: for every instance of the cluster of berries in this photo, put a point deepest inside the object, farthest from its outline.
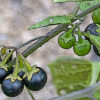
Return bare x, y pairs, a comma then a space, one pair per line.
13, 78
82, 46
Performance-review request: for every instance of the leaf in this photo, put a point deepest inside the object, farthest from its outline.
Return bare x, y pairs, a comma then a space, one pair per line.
95, 40
53, 20
71, 0
70, 74
87, 4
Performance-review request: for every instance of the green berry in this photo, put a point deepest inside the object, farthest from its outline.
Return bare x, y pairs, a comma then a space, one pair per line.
82, 47
66, 42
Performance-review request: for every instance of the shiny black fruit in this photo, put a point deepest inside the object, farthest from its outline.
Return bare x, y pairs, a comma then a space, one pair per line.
21, 74
92, 29
12, 89
37, 81
3, 74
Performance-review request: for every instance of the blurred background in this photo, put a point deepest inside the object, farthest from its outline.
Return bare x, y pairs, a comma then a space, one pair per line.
15, 18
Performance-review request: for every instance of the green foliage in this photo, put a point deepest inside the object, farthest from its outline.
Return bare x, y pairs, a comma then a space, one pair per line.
87, 4
52, 20
95, 40
70, 74
73, 74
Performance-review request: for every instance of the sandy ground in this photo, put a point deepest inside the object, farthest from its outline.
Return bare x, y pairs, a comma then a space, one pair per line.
15, 18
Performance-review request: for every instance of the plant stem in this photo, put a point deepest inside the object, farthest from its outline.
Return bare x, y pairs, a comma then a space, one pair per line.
16, 66
30, 94
24, 44
25, 62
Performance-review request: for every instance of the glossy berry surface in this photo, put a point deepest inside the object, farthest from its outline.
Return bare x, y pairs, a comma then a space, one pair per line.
12, 89
66, 42
37, 81
96, 51
92, 29
96, 16
82, 48
21, 74
3, 74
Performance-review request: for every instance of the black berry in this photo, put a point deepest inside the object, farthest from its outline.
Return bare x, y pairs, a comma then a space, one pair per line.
37, 81
12, 89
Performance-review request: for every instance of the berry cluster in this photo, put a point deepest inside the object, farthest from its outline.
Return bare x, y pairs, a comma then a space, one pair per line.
13, 78
82, 46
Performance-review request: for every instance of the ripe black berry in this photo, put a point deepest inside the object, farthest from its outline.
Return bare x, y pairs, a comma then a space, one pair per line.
92, 29
37, 81
21, 74
3, 74
12, 89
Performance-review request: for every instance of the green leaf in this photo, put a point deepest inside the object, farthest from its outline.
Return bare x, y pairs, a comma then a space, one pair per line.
71, 0
53, 20
70, 74
87, 4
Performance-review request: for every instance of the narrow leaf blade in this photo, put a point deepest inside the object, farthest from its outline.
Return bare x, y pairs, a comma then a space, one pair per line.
53, 20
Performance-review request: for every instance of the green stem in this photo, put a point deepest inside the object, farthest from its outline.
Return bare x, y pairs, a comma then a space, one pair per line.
16, 66
69, 33
7, 57
79, 35
30, 94
21, 64
25, 61
24, 44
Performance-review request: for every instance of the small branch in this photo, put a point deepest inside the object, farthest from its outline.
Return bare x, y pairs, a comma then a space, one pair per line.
24, 44
87, 92
30, 94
